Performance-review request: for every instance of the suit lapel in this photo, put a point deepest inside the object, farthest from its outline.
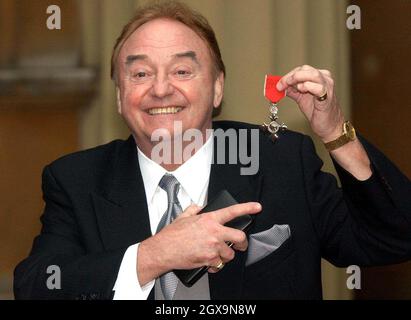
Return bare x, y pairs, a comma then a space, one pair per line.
120, 205
228, 282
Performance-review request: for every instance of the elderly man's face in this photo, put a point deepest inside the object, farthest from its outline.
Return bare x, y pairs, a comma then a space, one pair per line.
166, 74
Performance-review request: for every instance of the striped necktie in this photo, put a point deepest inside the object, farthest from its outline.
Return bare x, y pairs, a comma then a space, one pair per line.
171, 186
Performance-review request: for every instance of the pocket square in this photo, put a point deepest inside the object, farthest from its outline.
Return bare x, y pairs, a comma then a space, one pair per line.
263, 243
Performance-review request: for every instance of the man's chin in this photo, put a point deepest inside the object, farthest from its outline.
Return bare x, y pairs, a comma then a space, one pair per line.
171, 131
166, 132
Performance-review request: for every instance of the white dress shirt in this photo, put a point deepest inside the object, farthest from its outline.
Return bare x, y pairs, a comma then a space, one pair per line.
194, 176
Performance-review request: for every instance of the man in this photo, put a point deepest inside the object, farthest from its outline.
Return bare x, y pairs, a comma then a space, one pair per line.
117, 221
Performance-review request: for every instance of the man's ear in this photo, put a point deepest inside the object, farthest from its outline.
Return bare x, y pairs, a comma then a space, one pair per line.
118, 95
218, 90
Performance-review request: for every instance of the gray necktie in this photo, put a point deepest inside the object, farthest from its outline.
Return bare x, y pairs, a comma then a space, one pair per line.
170, 185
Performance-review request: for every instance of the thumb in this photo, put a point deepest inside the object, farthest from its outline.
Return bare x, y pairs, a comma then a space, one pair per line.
293, 93
192, 210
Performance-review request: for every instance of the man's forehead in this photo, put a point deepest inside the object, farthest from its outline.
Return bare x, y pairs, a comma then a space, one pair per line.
165, 34
143, 57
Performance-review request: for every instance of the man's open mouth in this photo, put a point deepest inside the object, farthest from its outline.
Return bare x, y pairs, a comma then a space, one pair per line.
164, 110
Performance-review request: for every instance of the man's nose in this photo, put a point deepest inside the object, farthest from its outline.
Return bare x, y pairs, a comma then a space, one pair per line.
162, 87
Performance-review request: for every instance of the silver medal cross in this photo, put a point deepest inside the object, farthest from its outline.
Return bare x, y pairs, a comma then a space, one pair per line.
273, 127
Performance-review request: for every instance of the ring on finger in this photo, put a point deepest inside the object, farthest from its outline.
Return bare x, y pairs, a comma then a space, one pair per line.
220, 265
323, 97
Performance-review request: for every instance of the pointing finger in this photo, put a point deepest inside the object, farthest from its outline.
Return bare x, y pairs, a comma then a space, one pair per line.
237, 210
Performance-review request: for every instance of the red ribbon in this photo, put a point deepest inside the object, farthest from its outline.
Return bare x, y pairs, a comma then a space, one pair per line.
270, 89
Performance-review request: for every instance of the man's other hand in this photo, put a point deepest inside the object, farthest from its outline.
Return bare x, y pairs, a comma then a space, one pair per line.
193, 241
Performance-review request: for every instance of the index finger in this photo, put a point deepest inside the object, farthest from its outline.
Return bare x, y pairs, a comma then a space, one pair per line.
282, 84
227, 214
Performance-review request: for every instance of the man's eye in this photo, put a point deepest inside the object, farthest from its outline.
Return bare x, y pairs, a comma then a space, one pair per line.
183, 72
140, 74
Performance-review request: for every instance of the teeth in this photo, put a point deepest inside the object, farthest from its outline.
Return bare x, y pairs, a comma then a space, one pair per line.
164, 110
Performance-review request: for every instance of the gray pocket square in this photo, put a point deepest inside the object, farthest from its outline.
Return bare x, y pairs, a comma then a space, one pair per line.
263, 243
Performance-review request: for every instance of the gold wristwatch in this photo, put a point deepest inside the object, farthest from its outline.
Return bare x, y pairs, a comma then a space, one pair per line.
347, 136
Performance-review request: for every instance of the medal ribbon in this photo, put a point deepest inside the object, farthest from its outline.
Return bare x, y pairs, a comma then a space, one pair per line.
270, 89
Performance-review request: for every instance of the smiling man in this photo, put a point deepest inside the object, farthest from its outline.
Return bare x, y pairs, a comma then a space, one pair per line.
117, 222
165, 73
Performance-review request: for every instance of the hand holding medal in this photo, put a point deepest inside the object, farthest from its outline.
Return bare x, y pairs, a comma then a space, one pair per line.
274, 96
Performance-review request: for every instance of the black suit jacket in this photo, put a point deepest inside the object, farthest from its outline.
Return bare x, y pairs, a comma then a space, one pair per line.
96, 207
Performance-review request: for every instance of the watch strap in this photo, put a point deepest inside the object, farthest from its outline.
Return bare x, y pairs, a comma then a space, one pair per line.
343, 139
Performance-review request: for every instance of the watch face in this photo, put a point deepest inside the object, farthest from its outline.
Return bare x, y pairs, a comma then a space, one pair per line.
350, 131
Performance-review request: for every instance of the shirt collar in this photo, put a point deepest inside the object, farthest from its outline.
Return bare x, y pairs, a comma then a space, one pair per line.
193, 174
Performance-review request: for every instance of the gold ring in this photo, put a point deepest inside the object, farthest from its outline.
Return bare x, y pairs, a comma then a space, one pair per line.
323, 97
220, 265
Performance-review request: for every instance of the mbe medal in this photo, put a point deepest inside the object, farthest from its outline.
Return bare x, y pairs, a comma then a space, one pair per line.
274, 96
